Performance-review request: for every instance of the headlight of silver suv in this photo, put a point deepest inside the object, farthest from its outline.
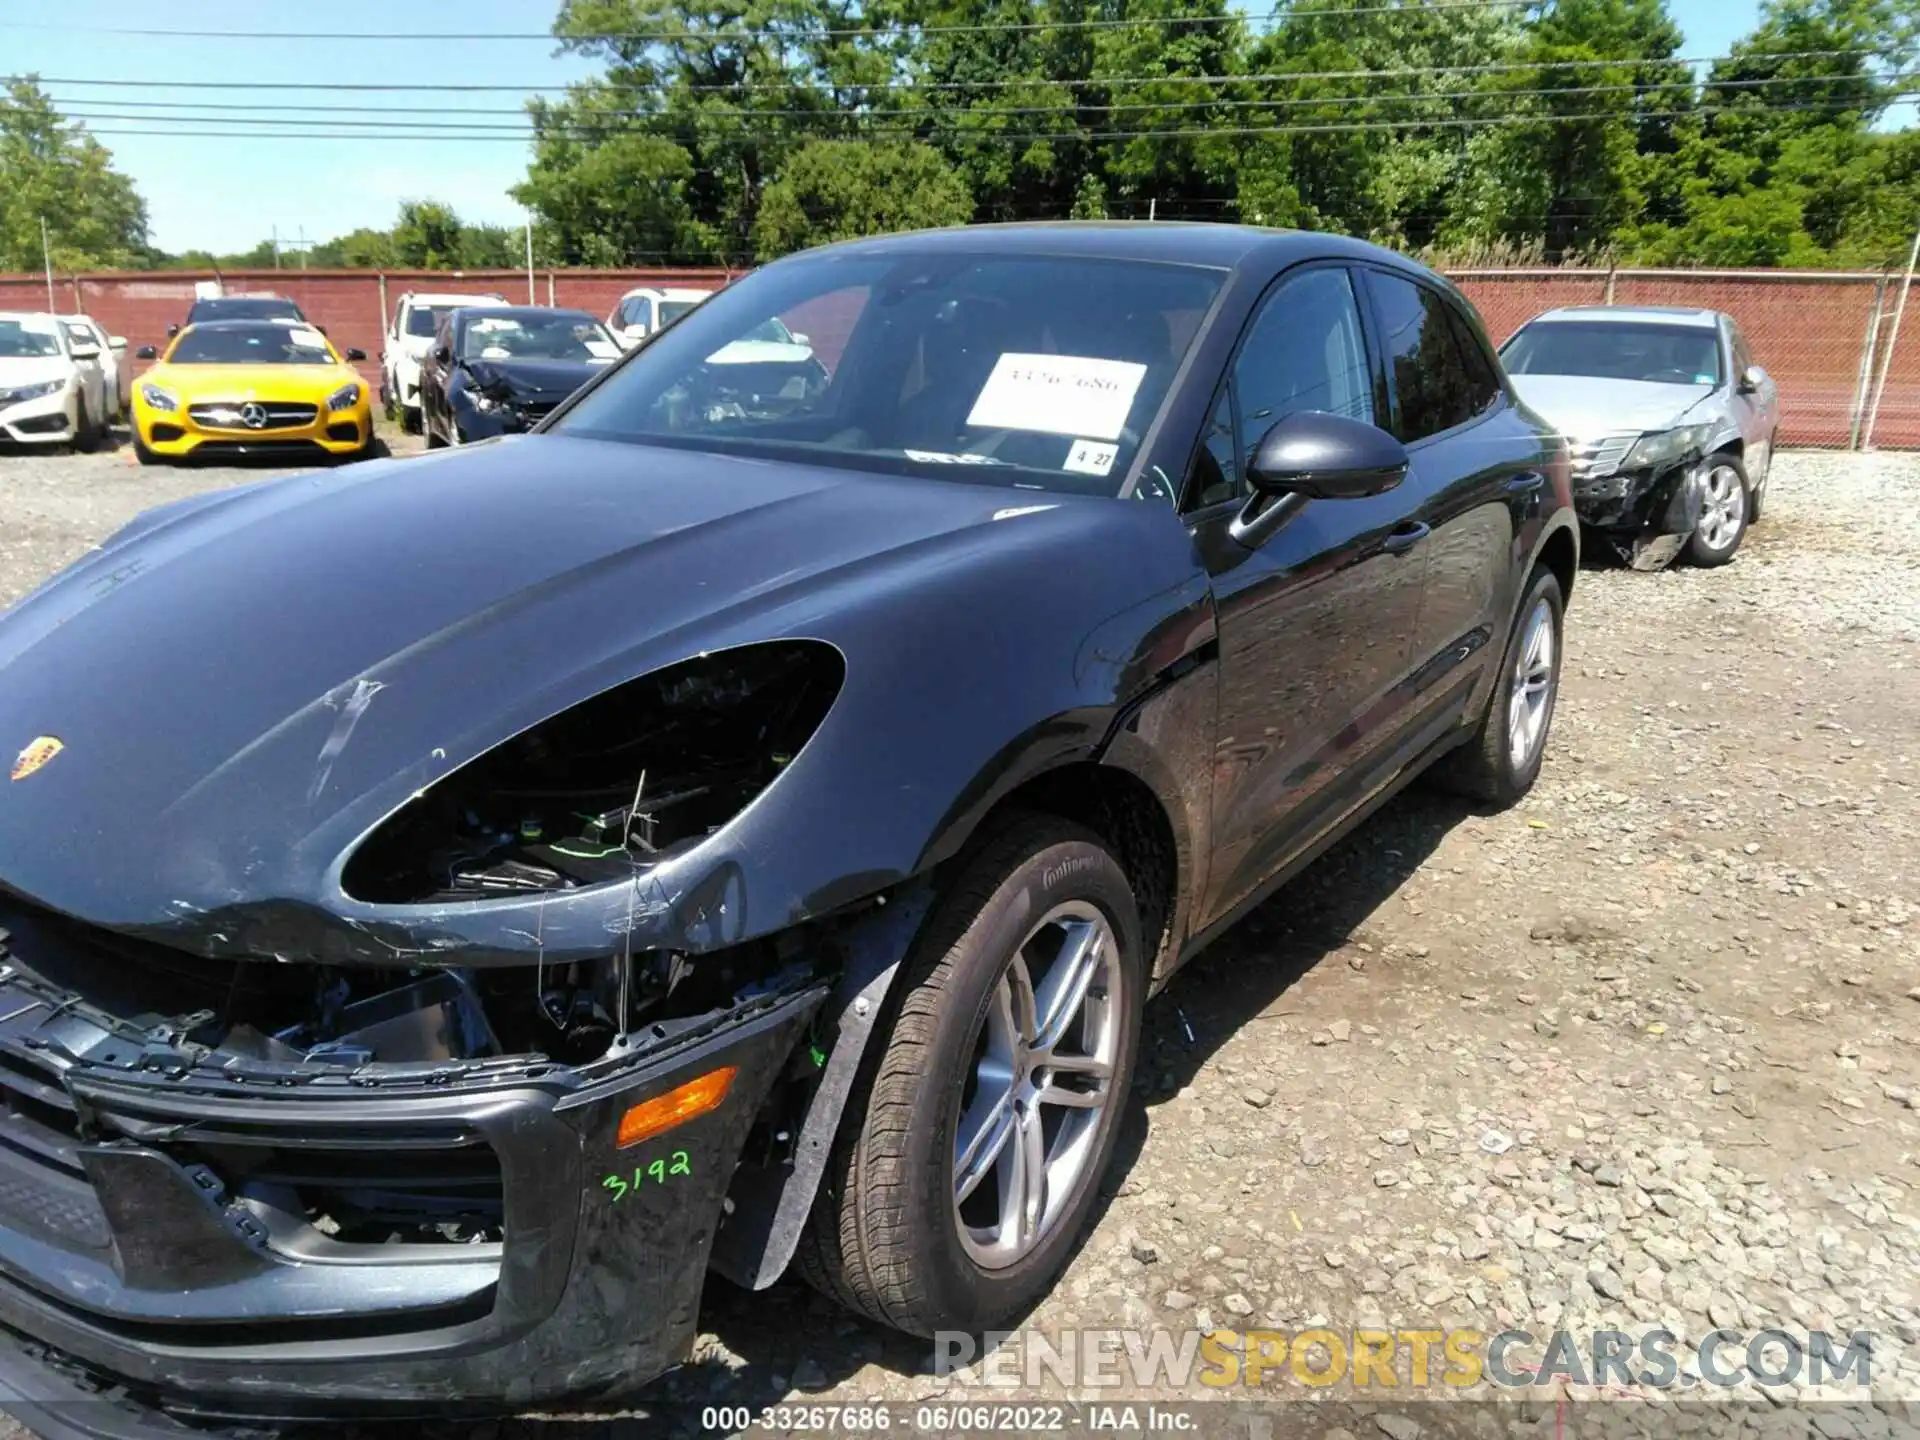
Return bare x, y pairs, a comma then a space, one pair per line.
22, 393
1663, 447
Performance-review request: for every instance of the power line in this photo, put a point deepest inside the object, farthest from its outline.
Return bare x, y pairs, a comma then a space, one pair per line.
656, 37
267, 114
1005, 136
830, 88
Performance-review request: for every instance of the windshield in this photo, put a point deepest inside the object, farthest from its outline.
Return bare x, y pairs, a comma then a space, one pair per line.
423, 320
1020, 370
1614, 350
251, 345
243, 307
27, 339
636, 310
559, 336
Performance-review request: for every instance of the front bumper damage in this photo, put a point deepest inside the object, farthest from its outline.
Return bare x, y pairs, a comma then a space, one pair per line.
239, 1232
1644, 515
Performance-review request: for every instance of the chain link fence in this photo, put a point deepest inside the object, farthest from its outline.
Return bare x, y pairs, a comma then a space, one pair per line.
1827, 337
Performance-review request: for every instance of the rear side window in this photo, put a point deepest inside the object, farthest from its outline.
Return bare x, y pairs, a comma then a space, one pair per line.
1483, 381
1429, 370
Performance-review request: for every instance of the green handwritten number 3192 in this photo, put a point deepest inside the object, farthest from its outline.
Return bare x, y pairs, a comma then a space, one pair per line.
657, 1172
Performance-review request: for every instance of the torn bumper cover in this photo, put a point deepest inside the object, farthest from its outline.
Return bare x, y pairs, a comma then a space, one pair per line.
220, 1235
1636, 509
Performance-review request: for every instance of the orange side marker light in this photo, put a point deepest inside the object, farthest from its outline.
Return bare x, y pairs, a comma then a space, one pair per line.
679, 1105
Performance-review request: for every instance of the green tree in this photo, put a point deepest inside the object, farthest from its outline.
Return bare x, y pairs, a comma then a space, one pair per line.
620, 199
843, 189
52, 168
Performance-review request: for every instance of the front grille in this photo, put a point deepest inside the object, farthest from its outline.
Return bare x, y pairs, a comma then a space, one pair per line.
71, 992
41, 424
1594, 458
273, 416
292, 449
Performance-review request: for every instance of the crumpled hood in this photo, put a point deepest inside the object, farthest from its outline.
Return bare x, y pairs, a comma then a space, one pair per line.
247, 682
1587, 407
32, 369
533, 379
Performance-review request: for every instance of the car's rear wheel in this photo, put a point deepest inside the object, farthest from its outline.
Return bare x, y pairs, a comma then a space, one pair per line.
86, 431
972, 1148
1502, 760
1724, 511
411, 419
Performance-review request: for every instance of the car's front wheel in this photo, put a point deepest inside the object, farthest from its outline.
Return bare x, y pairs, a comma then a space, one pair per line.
1724, 512
972, 1148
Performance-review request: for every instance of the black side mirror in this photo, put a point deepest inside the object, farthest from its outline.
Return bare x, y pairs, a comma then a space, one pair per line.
146, 352
355, 353
1751, 379
172, 330
1326, 457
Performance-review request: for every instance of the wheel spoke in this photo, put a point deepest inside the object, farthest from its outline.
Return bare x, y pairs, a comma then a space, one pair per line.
1098, 1073
1026, 1193
984, 1140
1064, 990
1019, 983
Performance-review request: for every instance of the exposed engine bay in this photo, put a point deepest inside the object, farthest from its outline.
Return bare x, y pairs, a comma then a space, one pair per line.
608, 789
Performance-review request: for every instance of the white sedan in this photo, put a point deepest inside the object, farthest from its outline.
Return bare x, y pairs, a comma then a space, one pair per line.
52, 388
116, 371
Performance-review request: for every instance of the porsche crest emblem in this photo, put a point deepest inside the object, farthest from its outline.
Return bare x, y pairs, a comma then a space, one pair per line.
35, 757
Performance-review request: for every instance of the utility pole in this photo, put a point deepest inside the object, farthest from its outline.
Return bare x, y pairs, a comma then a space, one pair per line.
530, 299
1893, 339
274, 240
46, 256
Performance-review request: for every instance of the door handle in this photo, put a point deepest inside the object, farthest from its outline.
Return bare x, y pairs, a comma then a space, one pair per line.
1403, 538
1525, 483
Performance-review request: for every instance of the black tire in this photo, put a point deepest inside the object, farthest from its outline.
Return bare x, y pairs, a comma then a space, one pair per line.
411, 421
884, 1239
1484, 768
434, 442
1757, 490
1708, 555
86, 432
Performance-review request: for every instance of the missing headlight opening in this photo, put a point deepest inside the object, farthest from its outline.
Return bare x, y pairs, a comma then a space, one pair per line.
609, 788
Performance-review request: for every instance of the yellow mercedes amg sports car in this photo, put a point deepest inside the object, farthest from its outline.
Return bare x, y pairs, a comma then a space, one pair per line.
251, 387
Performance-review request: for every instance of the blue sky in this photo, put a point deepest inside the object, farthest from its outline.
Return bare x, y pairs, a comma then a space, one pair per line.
226, 194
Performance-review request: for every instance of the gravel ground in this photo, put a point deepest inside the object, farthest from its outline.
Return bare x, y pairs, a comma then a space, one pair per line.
1643, 1051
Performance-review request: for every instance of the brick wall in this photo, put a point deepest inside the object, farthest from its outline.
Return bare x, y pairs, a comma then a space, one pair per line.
1806, 329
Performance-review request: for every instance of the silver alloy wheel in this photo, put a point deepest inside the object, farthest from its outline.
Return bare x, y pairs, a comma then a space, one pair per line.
1041, 1080
1530, 695
1723, 506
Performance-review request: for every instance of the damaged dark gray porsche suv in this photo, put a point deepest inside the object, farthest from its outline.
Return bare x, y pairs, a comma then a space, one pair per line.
450, 904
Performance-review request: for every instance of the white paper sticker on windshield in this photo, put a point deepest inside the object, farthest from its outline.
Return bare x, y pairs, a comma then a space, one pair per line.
603, 350
496, 352
1058, 395
306, 339
1090, 457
